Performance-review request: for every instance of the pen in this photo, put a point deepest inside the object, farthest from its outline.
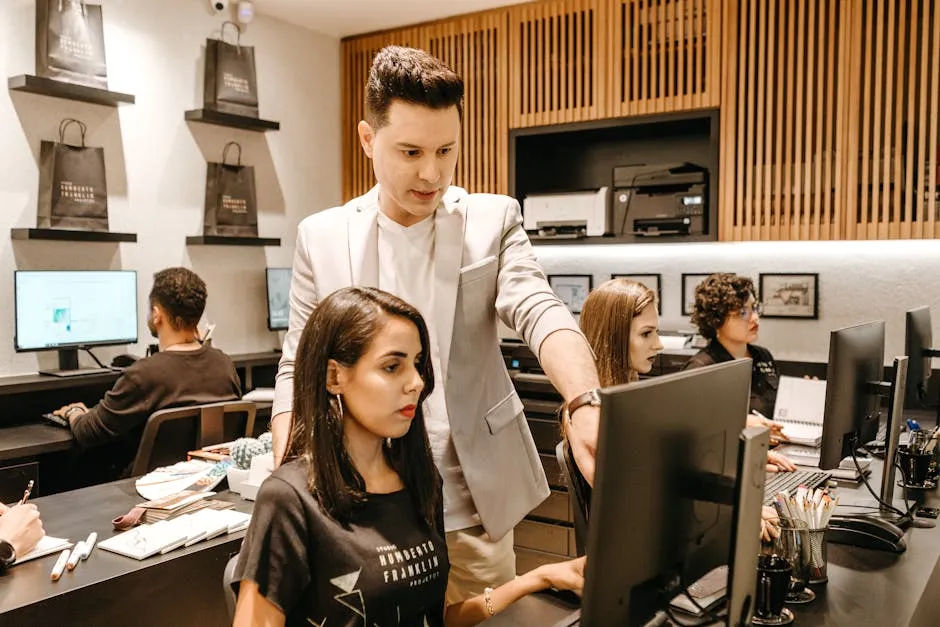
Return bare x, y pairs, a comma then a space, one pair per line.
59, 565
89, 545
76, 555
29, 488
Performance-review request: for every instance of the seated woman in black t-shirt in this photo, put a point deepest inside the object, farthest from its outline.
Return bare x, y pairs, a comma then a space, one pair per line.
350, 529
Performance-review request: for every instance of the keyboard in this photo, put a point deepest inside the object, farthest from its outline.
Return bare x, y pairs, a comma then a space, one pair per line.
55, 420
779, 481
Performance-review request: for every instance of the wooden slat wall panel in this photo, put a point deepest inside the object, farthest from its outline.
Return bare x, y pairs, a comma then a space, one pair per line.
477, 49
560, 62
782, 83
356, 58
891, 135
665, 55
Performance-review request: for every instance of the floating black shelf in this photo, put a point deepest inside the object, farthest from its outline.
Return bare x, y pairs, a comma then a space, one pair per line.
69, 235
227, 240
219, 118
70, 91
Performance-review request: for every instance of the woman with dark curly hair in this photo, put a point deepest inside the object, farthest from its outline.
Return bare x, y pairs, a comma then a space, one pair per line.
727, 314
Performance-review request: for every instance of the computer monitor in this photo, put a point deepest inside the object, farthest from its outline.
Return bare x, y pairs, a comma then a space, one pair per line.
278, 286
918, 346
68, 310
678, 491
854, 387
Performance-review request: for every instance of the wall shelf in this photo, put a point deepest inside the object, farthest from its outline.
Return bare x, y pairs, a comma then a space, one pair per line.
227, 240
70, 91
70, 235
219, 118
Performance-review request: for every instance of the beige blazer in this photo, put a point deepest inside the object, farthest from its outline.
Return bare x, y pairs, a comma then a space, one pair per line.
484, 267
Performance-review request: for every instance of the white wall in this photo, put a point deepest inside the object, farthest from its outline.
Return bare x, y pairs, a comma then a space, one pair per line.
858, 282
156, 161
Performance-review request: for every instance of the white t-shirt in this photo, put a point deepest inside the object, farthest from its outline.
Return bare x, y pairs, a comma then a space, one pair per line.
406, 269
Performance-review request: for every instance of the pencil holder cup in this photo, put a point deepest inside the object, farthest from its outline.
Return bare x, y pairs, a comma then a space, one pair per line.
819, 543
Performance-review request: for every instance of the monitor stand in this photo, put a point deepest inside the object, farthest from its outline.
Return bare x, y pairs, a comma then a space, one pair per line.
68, 365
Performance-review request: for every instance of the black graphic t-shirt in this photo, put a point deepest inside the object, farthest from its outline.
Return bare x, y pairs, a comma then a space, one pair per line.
385, 569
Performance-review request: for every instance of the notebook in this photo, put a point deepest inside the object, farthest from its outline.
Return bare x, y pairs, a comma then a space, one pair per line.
800, 408
47, 545
162, 537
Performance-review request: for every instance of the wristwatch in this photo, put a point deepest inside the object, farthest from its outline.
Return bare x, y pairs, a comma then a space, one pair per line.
592, 398
7, 555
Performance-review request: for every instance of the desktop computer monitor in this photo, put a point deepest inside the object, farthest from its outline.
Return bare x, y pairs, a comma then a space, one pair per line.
278, 287
678, 491
918, 342
68, 310
853, 390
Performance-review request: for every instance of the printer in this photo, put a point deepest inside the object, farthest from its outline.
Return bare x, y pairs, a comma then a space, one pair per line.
659, 201
566, 215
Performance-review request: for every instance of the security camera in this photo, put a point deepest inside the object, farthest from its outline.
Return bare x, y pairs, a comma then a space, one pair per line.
217, 6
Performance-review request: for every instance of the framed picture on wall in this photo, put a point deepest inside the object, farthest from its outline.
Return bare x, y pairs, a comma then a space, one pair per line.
652, 281
689, 283
790, 295
572, 289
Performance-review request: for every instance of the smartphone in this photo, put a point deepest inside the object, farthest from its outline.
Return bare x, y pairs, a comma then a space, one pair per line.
927, 512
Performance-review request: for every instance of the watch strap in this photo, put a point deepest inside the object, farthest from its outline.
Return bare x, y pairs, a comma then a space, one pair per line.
590, 397
7, 555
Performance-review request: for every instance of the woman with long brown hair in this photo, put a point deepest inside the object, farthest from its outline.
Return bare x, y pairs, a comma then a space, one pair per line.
350, 528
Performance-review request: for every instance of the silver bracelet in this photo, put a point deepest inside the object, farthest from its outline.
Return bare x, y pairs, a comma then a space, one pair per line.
488, 602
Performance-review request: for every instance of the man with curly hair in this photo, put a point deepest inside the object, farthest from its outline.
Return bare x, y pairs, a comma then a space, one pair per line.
184, 372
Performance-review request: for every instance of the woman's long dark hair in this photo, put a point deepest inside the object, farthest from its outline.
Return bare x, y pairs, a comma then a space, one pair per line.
342, 327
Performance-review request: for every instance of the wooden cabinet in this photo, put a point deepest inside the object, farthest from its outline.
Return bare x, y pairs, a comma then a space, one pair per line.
829, 108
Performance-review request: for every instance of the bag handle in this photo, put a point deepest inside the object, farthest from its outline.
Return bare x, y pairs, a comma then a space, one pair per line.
238, 34
225, 153
81, 3
64, 124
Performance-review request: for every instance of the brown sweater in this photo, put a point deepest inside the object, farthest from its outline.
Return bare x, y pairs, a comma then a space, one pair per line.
167, 379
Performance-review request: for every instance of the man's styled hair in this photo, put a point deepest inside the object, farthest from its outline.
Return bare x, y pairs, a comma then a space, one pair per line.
412, 76
342, 328
181, 294
606, 319
716, 297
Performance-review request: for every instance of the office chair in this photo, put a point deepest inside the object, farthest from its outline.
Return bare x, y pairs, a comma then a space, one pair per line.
170, 433
228, 575
579, 494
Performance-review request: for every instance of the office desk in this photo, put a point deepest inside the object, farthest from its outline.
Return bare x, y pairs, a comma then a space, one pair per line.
183, 587
866, 588
33, 439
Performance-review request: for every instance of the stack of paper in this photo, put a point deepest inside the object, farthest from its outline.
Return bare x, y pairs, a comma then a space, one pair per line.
164, 536
800, 408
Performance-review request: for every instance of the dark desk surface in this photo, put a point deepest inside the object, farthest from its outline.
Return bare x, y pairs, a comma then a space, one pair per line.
33, 439
110, 589
28, 383
865, 587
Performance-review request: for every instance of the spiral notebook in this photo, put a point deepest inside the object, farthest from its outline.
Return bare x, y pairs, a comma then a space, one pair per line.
800, 408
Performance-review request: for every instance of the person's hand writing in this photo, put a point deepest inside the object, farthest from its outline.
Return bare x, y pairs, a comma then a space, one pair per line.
777, 462
776, 429
21, 527
564, 575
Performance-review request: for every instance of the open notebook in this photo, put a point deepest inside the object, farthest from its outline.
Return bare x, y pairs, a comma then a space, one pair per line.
46, 546
800, 408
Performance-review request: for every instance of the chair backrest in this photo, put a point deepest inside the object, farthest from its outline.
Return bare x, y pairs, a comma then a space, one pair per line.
228, 576
170, 433
579, 494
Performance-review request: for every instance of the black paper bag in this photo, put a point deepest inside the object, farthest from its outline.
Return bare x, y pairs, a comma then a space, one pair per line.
73, 190
231, 204
231, 85
70, 42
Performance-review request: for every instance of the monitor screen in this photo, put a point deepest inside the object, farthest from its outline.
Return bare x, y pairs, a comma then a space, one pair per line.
278, 280
74, 308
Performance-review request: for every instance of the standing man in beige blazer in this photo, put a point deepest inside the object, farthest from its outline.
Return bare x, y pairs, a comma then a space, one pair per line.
463, 260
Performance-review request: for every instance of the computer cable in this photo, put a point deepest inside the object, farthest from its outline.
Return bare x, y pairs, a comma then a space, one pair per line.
902, 516
97, 361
